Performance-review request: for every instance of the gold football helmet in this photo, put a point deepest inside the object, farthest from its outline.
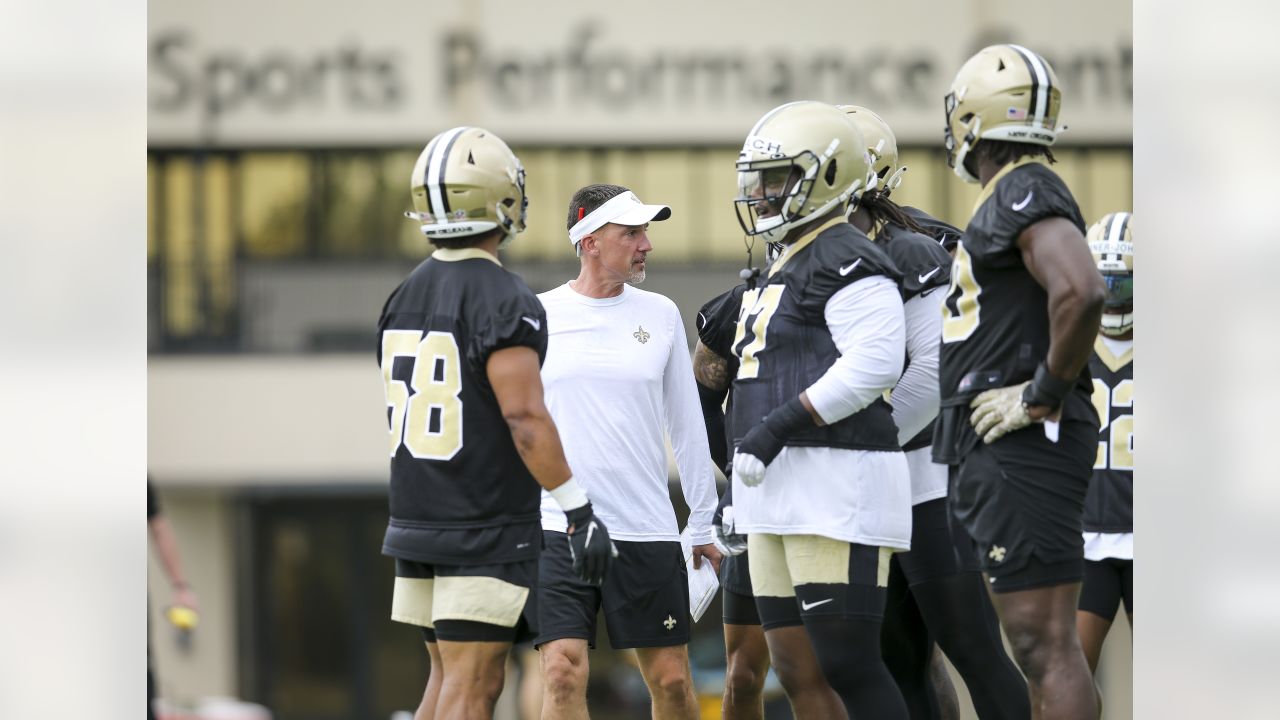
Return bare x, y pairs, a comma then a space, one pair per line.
466, 182
800, 161
1005, 92
882, 145
1111, 242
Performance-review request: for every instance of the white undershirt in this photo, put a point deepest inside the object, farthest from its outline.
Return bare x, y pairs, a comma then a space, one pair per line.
1117, 347
916, 396
859, 496
617, 373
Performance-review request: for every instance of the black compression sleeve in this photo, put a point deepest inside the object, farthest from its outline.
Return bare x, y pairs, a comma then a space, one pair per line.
713, 416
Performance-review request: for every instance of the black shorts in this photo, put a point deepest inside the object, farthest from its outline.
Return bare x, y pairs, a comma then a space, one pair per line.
1107, 583
645, 596
467, 603
939, 547
735, 574
739, 609
1021, 501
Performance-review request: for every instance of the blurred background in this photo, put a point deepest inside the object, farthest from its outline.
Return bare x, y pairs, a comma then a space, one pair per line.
279, 146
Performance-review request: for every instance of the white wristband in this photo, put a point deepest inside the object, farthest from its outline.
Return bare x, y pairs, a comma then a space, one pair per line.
569, 495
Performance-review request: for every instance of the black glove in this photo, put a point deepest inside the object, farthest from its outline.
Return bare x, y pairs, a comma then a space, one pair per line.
765, 440
589, 545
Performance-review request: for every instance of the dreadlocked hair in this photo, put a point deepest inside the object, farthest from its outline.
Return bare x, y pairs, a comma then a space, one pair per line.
884, 211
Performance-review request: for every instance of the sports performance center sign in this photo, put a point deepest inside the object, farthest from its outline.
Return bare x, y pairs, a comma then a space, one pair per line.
240, 73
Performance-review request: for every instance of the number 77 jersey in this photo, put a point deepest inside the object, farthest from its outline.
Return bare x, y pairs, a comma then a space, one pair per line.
460, 493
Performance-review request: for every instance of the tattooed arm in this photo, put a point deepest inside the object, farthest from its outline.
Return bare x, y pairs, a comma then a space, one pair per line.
712, 373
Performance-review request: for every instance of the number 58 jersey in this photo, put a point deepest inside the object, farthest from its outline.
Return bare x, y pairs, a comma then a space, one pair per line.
460, 493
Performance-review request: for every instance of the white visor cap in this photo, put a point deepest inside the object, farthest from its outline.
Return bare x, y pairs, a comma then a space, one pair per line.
623, 209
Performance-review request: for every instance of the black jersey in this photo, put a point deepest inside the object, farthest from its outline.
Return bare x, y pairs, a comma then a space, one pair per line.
460, 494
925, 267
716, 323
783, 345
1108, 507
995, 328
945, 233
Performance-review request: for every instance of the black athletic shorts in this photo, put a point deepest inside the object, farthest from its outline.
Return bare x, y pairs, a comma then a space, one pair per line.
939, 547
739, 609
735, 574
645, 596
1021, 501
467, 603
1107, 583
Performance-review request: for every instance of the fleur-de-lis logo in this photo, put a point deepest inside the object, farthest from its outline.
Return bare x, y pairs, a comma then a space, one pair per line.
641, 335
670, 622
997, 553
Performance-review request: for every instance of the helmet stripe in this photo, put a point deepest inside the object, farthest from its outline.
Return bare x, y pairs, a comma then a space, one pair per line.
435, 172
1040, 83
420, 169
1119, 223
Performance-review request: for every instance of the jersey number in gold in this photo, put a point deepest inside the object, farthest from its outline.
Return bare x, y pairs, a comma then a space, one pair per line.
429, 421
961, 309
1115, 453
758, 307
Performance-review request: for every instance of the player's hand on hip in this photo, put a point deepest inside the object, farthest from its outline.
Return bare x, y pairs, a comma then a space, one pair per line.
708, 552
589, 545
998, 412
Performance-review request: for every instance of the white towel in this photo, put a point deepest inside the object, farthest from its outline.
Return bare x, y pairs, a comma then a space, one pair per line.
703, 582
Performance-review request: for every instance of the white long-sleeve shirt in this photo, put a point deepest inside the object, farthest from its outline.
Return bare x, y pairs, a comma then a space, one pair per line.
916, 397
860, 496
617, 374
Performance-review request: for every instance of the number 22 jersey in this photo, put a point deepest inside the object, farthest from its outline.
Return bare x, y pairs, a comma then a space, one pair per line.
460, 493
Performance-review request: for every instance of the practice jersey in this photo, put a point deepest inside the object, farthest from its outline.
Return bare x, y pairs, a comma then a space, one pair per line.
460, 493
783, 345
1108, 507
716, 323
995, 328
925, 267
848, 480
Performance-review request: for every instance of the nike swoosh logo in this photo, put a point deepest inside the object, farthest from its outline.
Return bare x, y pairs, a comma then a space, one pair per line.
535, 324
702, 320
810, 606
929, 274
1025, 200
849, 268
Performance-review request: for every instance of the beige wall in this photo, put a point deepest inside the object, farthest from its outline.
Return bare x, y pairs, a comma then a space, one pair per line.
239, 72
248, 419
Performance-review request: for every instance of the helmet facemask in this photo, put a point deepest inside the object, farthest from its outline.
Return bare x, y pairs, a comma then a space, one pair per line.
772, 193
957, 152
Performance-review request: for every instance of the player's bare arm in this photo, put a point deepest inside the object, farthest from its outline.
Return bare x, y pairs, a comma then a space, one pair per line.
709, 369
1058, 258
514, 374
